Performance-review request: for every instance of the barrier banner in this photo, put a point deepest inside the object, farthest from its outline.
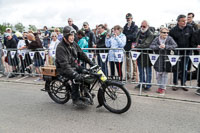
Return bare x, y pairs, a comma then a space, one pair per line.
23, 55
103, 56
31, 55
53, 53
153, 58
42, 53
119, 56
12, 54
135, 55
173, 59
195, 60
5, 52
90, 55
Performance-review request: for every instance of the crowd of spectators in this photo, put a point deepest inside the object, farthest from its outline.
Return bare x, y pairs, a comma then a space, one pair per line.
184, 35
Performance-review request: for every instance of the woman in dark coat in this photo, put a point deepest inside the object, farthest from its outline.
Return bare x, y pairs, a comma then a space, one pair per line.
162, 45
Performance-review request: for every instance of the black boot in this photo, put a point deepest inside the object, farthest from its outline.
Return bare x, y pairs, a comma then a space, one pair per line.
76, 96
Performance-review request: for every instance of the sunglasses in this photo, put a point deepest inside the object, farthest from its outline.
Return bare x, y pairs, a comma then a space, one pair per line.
69, 21
143, 26
165, 32
84, 25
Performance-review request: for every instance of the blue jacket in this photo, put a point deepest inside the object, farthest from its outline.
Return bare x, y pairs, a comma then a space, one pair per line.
115, 42
83, 43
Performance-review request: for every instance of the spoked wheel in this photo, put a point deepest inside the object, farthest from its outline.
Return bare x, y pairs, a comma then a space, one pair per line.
59, 92
116, 98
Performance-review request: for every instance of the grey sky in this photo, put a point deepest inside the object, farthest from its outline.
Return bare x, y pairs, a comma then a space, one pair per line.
112, 12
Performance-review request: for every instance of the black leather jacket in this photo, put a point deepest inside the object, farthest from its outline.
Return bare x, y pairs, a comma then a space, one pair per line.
66, 58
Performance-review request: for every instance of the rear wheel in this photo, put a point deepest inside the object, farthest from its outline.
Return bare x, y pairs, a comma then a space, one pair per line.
59, 92
116, 98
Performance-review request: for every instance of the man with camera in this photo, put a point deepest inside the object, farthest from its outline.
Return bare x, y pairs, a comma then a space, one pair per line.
26, 62
33, 43
67, 54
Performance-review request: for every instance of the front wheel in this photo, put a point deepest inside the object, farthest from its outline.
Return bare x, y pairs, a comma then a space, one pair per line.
116, 98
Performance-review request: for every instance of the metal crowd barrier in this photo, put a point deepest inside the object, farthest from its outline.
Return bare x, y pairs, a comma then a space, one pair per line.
26, 62
23, 62
185, 63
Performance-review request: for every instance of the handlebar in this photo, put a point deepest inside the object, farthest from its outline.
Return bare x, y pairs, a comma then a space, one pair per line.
90, 71
94, 67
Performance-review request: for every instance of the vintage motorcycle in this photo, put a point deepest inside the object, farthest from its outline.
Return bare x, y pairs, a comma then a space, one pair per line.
110, 94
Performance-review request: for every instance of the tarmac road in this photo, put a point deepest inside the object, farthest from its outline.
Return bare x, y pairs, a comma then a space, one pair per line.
25, 109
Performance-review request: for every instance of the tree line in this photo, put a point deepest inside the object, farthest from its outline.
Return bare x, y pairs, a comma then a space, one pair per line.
17, 27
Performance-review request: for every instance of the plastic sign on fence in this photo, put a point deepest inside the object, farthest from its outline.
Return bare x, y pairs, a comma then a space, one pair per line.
173, 59
23, 55
103, 56
53, 53
90, 55
12, 54
4, 52
153, 58
42, 53
135, 55
119, 56
31, 55
195, 60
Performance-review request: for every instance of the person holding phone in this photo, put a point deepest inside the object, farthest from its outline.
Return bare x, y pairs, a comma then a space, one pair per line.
115, 40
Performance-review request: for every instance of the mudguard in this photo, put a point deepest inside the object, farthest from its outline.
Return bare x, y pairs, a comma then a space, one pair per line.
47, 78
115, 82
101, 91
100, 97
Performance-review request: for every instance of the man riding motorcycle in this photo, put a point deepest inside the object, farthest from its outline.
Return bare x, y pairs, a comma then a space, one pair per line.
67, 54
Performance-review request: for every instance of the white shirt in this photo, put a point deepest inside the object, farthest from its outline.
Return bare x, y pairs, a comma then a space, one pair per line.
20, 44
52, 47
53, 44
